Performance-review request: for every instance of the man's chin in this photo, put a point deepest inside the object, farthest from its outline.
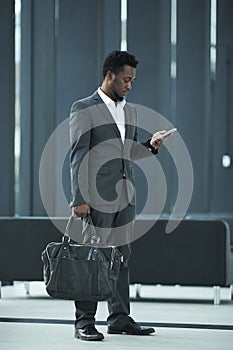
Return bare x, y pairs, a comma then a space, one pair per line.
120, 98
116, 97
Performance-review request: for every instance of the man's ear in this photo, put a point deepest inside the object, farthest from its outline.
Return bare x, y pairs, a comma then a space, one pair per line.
110, 75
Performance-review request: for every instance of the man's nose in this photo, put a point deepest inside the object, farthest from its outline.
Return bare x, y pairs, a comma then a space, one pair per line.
129, 86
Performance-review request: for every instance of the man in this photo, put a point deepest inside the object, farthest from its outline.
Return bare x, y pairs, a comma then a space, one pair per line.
104, 142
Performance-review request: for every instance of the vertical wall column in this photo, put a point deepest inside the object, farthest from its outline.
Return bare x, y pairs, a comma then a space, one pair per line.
222, 184
148, 28
86, 31
110, 32
193, 83
26, 95
37, 97
7, 97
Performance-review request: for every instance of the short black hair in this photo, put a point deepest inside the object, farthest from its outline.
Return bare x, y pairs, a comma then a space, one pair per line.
116, 60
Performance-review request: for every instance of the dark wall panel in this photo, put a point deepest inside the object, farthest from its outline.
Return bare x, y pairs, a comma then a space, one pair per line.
222, 185
7, 101
149, 39
77, 53
83, 39
148, 31
43, 89
37, 100
192, 91
86, 32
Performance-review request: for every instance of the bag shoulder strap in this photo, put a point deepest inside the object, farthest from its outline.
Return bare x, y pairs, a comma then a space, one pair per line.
68, 226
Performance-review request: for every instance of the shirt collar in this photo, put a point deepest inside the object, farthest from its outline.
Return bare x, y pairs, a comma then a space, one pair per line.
108, 101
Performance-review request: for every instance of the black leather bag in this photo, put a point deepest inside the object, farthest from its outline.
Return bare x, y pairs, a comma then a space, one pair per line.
75, 271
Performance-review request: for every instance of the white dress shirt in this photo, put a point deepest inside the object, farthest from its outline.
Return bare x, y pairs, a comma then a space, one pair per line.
117, 111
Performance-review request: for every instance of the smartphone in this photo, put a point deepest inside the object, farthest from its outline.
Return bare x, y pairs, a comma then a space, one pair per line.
167, 133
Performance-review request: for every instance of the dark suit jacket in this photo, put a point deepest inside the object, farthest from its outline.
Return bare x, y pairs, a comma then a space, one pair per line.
99, 159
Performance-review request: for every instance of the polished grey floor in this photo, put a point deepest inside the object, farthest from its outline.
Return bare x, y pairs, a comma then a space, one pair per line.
180, 315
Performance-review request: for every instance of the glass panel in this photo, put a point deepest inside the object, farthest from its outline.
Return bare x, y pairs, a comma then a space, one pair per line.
213, 38
17, 99
173, 37
124, 25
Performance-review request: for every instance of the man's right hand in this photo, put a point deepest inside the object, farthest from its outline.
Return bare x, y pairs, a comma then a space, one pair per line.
81, 211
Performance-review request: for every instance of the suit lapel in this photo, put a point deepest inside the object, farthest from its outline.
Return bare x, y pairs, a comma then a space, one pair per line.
129, 122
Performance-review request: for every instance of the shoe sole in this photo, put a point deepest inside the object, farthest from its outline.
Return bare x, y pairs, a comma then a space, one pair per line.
128, 333
89, 339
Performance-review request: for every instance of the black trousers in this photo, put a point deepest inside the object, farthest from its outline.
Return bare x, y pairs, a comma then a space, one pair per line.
118, 305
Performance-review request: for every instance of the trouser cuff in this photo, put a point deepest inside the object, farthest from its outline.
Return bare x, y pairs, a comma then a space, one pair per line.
119, 321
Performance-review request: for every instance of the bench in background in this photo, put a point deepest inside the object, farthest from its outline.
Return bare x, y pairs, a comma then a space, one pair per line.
197, 253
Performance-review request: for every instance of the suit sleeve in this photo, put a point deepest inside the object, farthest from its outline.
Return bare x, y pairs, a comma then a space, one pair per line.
80, 132
141, 150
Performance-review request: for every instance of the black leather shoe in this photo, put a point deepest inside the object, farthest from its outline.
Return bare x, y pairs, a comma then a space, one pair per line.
89, 332
131, 328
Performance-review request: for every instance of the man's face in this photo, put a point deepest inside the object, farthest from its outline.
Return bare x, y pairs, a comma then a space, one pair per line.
120, 84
